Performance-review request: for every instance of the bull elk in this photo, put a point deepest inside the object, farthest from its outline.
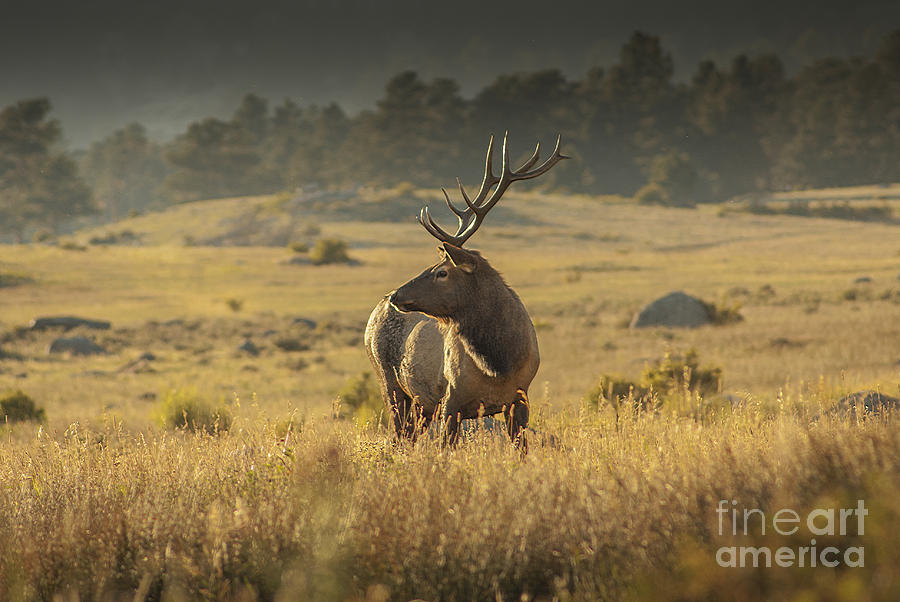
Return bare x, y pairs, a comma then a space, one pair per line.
456, 341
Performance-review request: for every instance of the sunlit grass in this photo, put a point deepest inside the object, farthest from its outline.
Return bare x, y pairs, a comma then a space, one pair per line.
617, 508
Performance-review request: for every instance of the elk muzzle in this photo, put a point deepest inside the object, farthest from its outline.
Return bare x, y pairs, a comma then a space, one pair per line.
399, 300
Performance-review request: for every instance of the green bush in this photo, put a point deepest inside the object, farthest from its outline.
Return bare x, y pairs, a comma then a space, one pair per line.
667, 379
298, 246
329, 250
19, 407
722, 314
124, 237
186, 409
7, 280
43, 235
291, 343
651, 194
71, 245
362, 396
675, 373
619, 392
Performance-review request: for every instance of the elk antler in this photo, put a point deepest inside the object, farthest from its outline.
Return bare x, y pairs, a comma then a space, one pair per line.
471, 217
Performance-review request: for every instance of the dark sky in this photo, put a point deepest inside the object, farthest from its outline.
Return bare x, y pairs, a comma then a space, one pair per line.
104, 64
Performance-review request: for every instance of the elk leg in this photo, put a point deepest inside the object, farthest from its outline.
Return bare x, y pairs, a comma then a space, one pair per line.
517, 419
403, 414
449, 426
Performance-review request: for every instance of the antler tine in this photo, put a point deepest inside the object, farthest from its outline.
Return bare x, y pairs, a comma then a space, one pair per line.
435, 230
505, 169
470, 218
534, 159
489, 179
459, 214
554, 158
465, 197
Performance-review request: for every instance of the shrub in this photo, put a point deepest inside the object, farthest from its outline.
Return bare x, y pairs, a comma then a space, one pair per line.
8, 279
858, 294
676, 373
291, 343
19, 407
43, 235
329, 250
722, 314
362, 396
71, 245
651, 194
619, 392
298, 246
665, 380
115, 238
186, 409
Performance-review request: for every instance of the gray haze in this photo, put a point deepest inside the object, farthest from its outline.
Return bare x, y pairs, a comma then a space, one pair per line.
104, 64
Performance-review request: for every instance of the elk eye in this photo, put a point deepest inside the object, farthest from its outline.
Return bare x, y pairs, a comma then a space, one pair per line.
441, 273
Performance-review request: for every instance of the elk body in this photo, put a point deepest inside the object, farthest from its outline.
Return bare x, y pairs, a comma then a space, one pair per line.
455, 341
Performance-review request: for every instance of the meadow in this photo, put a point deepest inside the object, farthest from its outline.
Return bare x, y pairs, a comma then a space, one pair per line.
301, 499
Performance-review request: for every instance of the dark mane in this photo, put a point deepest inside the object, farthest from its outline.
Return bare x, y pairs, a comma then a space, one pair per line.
487, 328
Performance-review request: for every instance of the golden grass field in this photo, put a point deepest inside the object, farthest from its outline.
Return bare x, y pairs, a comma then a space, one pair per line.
102, 502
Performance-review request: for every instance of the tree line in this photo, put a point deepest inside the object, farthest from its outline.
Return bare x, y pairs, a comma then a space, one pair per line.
630, 129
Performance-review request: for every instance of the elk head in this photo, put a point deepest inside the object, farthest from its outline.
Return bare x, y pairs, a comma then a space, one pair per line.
448, 285
440, 290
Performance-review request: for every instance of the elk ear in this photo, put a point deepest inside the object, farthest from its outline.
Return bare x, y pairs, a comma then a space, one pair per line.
460, 257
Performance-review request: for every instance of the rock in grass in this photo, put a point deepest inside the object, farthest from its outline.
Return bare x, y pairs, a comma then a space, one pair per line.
140, 365
867, 403
76, 346
248, 347
67, 323
677, 309
304, 322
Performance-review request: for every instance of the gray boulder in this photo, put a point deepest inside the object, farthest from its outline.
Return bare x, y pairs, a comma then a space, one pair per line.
304, 322
141, 364
67, 323
867, 403
677, 310
76, 346
249, 348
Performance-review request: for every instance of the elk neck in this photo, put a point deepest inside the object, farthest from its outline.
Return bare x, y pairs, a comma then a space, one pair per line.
492, 325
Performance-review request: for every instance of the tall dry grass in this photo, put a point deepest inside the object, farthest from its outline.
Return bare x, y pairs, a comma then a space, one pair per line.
616, 508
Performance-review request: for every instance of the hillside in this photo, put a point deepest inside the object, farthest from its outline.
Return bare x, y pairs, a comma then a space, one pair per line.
818, 298
271, 220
